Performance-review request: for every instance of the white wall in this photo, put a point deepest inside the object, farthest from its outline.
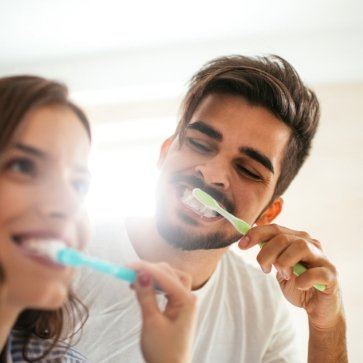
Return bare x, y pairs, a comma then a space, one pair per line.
326, 199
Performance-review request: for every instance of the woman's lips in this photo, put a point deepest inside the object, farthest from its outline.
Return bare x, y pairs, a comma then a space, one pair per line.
21, 237
45, 261
24, 241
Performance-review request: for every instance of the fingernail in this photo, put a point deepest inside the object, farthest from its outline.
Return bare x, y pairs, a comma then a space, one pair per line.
144, 279
286, 275
281, 271
244, 241
132, 286
264, 269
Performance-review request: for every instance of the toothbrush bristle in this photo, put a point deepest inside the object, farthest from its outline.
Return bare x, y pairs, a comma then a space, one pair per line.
47, 249
204, 198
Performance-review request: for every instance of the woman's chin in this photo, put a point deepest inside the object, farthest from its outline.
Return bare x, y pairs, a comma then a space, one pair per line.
51, 298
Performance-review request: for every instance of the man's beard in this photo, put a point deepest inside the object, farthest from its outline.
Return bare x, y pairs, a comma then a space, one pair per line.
184, 238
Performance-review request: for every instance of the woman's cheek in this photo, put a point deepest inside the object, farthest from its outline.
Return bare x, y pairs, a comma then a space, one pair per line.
84, 231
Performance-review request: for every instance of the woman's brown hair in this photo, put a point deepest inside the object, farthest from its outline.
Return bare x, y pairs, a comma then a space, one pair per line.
19, 95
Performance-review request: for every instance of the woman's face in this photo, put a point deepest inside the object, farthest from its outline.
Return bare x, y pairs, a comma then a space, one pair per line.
43, 180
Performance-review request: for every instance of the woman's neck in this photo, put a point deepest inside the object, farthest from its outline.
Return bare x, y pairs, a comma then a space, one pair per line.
8, 316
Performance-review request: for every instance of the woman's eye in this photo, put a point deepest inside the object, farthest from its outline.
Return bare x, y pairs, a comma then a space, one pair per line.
198, 146
247, 172
23, 166
81, 186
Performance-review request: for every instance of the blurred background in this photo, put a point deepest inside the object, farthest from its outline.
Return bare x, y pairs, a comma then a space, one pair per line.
127, 63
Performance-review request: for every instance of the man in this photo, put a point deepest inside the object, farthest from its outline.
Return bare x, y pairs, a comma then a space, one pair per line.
245, 130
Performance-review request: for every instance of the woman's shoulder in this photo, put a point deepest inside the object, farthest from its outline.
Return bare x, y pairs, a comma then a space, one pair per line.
36, 347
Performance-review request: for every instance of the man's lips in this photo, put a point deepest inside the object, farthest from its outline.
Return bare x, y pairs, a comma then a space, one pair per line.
192, 181
180, 188
194, 215
192, 207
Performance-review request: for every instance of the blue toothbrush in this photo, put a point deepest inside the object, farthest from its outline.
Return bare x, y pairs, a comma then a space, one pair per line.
58, 252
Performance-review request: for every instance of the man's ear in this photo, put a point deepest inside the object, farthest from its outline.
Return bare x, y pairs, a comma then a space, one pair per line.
164, 150
271, 212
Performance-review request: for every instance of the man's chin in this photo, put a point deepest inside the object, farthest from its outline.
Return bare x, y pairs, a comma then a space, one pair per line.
188, 239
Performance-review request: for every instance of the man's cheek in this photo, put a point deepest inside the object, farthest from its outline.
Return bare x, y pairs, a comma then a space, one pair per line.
247, 208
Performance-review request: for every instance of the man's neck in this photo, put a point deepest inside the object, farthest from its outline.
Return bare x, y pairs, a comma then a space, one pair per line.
150, 246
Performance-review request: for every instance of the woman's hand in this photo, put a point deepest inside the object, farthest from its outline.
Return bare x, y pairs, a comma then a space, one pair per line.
166, 335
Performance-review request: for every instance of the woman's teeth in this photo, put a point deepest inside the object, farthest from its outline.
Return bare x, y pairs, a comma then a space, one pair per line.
197, 207
44, 247
40, 246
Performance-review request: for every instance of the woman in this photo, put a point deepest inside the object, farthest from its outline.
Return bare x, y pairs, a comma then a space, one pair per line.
44, 146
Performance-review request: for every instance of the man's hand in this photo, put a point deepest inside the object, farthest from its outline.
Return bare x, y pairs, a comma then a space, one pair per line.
284, 248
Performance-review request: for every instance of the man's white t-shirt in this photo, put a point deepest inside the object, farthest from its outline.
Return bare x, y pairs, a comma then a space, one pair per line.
242, 315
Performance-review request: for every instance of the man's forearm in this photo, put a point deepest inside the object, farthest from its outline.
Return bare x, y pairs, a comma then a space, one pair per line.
328, 346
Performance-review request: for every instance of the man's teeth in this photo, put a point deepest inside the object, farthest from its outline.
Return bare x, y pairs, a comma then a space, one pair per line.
203, 211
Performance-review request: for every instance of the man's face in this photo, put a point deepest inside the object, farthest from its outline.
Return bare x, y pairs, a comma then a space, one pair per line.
233, 151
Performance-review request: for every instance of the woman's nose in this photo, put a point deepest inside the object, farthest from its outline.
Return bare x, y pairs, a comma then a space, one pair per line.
58, 200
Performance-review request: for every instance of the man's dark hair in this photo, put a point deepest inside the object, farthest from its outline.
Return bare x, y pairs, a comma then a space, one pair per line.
270, 82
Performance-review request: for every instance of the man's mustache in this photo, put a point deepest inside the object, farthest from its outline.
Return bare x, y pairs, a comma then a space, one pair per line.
196, 182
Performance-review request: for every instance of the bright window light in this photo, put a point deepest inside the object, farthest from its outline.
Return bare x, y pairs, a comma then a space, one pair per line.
124, 167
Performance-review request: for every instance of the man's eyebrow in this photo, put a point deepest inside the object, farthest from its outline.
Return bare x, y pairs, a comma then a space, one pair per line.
258, 156
215, 134
31, 150
206, 129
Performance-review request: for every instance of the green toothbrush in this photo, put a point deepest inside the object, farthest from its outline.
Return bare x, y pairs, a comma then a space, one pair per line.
241, 226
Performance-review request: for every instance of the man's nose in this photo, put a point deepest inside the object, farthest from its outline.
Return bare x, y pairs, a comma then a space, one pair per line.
215, 172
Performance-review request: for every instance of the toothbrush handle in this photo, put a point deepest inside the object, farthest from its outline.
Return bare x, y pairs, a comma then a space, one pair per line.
120, 272
240, 225
299, 269
72, 257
